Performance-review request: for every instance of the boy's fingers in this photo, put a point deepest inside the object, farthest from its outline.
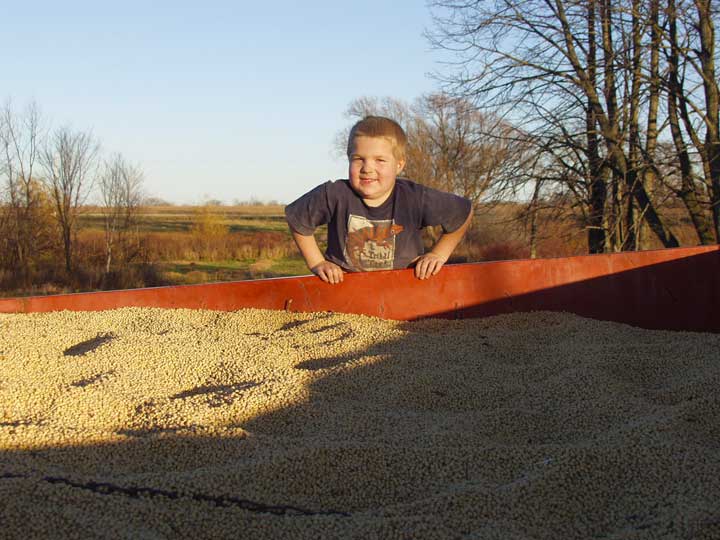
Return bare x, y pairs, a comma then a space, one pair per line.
428, 267
331, 274
421, 268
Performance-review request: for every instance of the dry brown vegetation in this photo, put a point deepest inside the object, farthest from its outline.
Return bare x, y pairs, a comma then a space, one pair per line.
168, 245
173, 245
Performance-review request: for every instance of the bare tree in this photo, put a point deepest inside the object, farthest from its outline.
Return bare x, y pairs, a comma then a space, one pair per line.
120, 186
69, 163
452, 146
361, 107
573, 74
25, 231
472, 154
692, 97
704, 62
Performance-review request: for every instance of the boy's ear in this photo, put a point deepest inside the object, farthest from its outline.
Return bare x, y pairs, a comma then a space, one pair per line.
400, 166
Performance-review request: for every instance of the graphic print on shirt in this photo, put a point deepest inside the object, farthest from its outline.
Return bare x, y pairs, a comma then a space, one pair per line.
370, 244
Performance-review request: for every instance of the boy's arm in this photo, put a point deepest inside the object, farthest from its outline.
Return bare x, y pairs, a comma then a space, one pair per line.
430, 263
327, 271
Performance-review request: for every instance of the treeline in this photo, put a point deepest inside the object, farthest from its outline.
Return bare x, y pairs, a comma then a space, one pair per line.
47, 177
602, 112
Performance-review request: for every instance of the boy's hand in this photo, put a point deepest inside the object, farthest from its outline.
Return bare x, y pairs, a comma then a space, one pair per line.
329, 272
428, 265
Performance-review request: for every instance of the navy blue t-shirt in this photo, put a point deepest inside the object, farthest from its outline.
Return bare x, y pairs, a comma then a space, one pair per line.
361, 237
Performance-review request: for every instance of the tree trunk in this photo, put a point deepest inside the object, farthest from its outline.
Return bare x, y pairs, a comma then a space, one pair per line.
687, 193
636, 166
67, 249
598, 189
650, 173
712, 105
533, 210
608, 122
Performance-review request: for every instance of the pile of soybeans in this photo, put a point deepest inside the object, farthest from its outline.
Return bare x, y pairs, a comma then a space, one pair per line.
150, 423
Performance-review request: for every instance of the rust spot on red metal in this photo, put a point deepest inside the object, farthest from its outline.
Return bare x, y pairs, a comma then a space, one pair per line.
675, 289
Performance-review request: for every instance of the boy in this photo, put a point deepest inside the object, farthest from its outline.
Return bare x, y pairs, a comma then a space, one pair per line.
374, 218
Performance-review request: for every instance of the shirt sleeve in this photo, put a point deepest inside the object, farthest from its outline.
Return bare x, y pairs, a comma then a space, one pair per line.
445, 209
310, 211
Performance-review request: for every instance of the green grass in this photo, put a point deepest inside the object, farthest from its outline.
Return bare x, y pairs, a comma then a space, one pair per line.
180, 272
184, 267
290, 266
259, 225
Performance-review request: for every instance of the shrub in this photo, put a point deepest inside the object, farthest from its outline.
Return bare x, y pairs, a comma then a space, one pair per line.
503, 251
196, 276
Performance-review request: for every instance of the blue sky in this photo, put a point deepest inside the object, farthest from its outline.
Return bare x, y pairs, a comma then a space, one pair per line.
214, 99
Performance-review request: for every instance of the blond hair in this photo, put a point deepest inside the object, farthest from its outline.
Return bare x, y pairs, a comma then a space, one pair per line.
380, 126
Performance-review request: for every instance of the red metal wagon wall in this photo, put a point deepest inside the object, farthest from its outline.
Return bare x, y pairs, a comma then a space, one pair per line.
675, 289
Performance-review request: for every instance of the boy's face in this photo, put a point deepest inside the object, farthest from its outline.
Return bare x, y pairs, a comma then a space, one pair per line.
373, 169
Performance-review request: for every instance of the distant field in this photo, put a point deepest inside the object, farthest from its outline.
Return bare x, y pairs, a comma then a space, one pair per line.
246, 242
240, 210
181, 218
